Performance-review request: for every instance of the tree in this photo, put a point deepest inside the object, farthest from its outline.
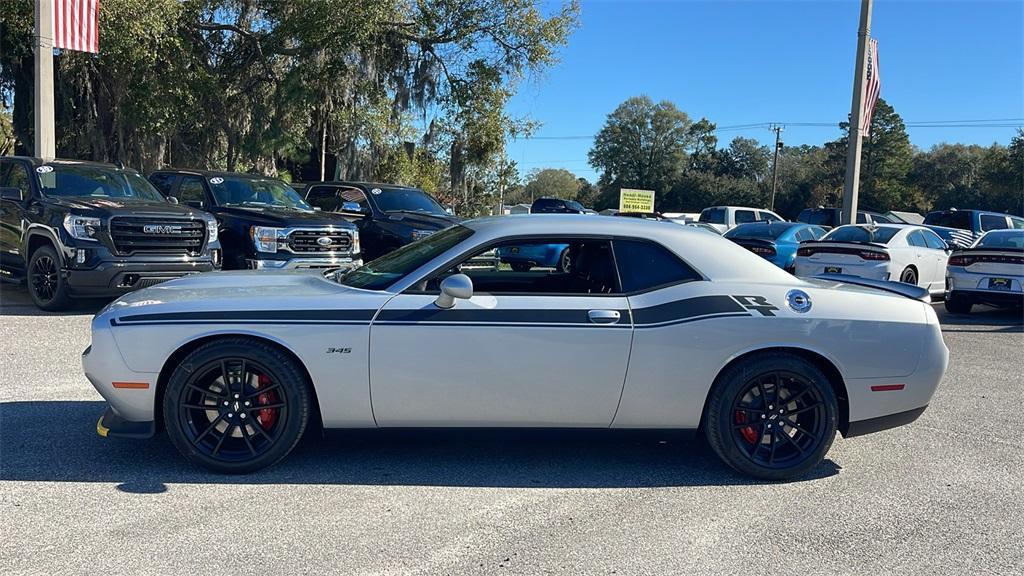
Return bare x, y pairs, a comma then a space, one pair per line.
642, 145
556, 182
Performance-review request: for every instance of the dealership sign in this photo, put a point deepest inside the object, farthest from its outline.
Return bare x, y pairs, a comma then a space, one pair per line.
636, 200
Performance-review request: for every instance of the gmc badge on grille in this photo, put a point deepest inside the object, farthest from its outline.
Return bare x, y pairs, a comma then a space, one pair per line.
161, 229
324, 241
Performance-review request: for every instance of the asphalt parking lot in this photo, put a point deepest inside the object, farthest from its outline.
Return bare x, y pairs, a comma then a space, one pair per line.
940, 496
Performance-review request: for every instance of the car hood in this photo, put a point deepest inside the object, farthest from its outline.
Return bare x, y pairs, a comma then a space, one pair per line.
245, 290
284, 218
99, 206
422, 221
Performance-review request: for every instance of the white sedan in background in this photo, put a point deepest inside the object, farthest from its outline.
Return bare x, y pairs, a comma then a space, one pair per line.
909, 254
989, 272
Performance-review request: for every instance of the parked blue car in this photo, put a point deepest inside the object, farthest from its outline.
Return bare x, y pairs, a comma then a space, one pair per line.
775, 241
523, 258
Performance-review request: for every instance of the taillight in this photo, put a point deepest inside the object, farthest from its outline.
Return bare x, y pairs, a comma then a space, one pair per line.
877, 256
960, 261
804, 251
762, 250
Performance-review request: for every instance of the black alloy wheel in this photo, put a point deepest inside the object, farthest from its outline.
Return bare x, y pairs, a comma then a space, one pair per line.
772, 416
236, 405
47, 286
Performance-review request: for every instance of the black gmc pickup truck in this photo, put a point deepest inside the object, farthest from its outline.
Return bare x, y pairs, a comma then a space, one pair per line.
84, 229
264, 223
389, 216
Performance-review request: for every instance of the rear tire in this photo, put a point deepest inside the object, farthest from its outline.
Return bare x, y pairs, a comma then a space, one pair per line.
46, 283
956, 304
772, 416
236, 405
564, 262
909, 276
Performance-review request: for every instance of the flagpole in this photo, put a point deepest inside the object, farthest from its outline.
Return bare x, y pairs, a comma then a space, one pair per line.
45, 140
851, 186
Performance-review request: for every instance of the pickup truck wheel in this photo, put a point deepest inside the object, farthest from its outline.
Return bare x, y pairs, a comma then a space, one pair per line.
771, 416
236, 405
46, 284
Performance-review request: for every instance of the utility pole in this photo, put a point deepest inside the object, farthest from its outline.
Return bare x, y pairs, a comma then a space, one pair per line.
851, 185
777, 128
501, 186
45, 141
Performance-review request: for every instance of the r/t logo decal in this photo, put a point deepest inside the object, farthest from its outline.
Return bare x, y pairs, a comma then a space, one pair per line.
758, 303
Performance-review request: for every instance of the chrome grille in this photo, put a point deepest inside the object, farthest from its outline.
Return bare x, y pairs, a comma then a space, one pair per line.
132, 234
309, 242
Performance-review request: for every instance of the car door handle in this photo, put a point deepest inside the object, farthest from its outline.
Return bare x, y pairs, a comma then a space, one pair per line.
603, 316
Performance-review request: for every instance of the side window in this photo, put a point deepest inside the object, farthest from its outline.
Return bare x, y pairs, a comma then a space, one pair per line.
932, 240
191, 191
646, 265
862, 218
744, 216
768, 216
544, 266
713, 215
15, 175
993, 222
163, 182
1018, 223
817, 233
805, 234
324, 198
915, 238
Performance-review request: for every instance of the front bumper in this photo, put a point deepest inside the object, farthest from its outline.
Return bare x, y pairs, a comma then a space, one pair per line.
117, 277
111, 425
296, 263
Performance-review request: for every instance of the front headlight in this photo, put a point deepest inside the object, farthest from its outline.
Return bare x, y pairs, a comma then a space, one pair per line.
264, 238
82, 227
356, 248
417, 234
211, 230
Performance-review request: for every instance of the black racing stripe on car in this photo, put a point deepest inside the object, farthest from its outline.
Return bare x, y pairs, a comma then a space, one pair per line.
686, 309
694, 319
457, 315
353, 316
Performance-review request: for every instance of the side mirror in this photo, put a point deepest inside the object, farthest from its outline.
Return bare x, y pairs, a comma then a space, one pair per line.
316, 208
10, 193
449, 211
455, 286
352, 207
172, 199
195, 203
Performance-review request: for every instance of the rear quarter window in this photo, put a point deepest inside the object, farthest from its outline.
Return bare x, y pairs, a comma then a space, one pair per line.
993, 222
646, 265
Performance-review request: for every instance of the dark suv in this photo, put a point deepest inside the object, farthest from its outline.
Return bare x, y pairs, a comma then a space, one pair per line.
264, 223
963, 227
556, 206
389, 216
83, 229
830, 217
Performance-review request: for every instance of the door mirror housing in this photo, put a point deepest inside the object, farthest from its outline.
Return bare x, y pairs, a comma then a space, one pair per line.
11, 193
172, 199
455, 286
352, 207
195, 203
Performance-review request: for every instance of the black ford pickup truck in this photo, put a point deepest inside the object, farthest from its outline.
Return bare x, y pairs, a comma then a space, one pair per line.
389, 216
82, 229
264, 223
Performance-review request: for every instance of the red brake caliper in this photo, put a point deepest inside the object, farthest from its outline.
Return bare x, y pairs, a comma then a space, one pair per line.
267, 415
748, 432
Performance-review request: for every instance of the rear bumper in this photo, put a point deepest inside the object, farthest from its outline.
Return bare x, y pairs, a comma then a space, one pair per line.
862, 427
992, 297
111, 425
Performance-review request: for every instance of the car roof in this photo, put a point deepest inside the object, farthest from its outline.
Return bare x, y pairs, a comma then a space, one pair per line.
213, 173
714, 256
359, 184
36, 161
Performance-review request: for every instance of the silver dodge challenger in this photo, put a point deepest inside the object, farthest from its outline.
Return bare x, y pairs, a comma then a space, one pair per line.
648, 325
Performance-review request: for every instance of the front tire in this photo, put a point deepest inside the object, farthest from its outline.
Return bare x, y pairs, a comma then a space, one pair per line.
46, 284
956, 304
236, 405
772, 416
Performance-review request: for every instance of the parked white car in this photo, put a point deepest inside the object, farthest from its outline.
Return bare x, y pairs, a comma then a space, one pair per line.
895, 252
989, 272
235, 365
724, 218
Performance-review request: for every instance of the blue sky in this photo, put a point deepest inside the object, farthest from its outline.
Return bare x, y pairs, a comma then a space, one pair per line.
770, 61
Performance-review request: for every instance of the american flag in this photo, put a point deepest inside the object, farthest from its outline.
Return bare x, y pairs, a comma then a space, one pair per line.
75, 25
874, 85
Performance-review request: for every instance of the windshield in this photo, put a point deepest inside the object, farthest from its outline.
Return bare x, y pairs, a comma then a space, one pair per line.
388, 269
860, 234
256, 192
763, 231
1003, 239
406, 200
63, 180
